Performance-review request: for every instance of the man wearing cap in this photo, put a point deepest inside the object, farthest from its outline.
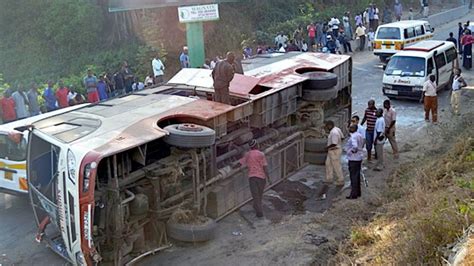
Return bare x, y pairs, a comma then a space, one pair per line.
258, 174
333, 159
222, 75
184, 58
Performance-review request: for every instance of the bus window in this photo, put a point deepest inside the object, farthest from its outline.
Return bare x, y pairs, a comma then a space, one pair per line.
11, 150
388, 33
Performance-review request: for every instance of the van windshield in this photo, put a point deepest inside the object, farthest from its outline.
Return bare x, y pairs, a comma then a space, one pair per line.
406, 66
11, 150
388, 33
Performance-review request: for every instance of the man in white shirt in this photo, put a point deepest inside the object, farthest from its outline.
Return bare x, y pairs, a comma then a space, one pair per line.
334, 23
390, 117
429, 97
360, 128
355, 154
379, 139
158, 70
333, 159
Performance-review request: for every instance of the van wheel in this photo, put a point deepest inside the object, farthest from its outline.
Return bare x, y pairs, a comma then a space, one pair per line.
192, 232
315, 145
319, 95
315, 158
319, 80
190, 136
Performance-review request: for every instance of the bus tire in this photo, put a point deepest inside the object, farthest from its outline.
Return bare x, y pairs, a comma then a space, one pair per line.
320, 95
315, 145
192, 232
319, 80
190, 136
317, 158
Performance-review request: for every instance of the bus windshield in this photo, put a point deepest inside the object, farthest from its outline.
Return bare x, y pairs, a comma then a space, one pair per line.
406, 66
388, 33
11, 150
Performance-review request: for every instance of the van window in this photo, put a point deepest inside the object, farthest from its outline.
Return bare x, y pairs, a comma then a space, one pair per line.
388, 33
440, 60
451, 55
428, 28
409, 33
430, 66
406, 66
419, 30
11, 150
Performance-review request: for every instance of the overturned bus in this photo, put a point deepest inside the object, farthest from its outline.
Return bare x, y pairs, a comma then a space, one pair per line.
107, 181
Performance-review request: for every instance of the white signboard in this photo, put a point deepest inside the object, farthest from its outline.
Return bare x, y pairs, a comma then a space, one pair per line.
198, 13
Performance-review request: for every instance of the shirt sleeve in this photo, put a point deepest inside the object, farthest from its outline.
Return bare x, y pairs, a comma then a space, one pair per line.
243, 160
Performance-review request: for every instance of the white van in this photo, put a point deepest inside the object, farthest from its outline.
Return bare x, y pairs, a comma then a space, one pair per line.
409, 69
13, 147
393, 37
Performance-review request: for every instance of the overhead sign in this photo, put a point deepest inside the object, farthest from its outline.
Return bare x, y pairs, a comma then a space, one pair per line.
124, 5
198, 13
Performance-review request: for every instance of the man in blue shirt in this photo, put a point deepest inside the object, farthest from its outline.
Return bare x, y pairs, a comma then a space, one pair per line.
49, 97
355, 154
184, 58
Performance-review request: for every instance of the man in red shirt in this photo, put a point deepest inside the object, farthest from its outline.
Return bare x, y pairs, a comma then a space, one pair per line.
61, 95
257, 172
7, 109
311, 35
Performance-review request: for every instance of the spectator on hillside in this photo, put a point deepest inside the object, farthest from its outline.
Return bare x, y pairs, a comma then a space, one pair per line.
75, 97
109, 79
460, 33
49, 97
311, 28
411, 16
119, 83
33, 100
184, 58
426, 9
158, 70
366, 18
90, 83
347, 25
137, 85
370, 39
292, 47
331, 44
398, 10
102, 89
247, 53
149, 80
61, 95
358, 19
7, 109
371, 13
304, 46
345, 42
298, 37
376, 17
128, 77
452, 39
207, 64
281, 40
334, 24
21, 103
321, 36
387, 15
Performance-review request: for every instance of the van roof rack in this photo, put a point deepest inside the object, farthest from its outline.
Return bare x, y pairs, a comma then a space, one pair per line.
424, 46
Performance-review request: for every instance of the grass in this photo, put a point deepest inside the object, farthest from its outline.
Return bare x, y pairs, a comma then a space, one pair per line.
429, 205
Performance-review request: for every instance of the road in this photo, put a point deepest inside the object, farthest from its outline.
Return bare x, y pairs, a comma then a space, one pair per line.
17, 226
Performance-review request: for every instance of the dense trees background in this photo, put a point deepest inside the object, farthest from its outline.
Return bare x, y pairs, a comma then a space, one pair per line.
52, 39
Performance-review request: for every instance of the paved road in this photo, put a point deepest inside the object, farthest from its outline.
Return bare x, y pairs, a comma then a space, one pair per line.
17, 245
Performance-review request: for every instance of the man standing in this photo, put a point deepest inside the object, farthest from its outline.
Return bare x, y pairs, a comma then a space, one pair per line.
370, 117
426, 9
376, 17
61, 95
355, 121
398, 10
21, 103
184, 58
354, 151
333, 159
7, 109
379, 139
458, 83
390, 117
334, 24
360, 34
466, 41
222, 75
452, 39
49, 98
312, 35
371, 13
128, 77
460, 33
257, 172
430, 99
158, 70
90, 82
33, 100
347, 25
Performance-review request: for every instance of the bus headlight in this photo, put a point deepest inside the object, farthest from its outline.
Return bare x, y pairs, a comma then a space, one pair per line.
71, 164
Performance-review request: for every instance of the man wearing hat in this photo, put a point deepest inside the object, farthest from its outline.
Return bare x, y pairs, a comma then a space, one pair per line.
258, 174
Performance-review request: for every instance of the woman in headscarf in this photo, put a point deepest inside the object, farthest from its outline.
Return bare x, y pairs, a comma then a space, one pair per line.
467, 40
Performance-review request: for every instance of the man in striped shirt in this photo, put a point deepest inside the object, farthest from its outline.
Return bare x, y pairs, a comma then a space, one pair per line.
370, 117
